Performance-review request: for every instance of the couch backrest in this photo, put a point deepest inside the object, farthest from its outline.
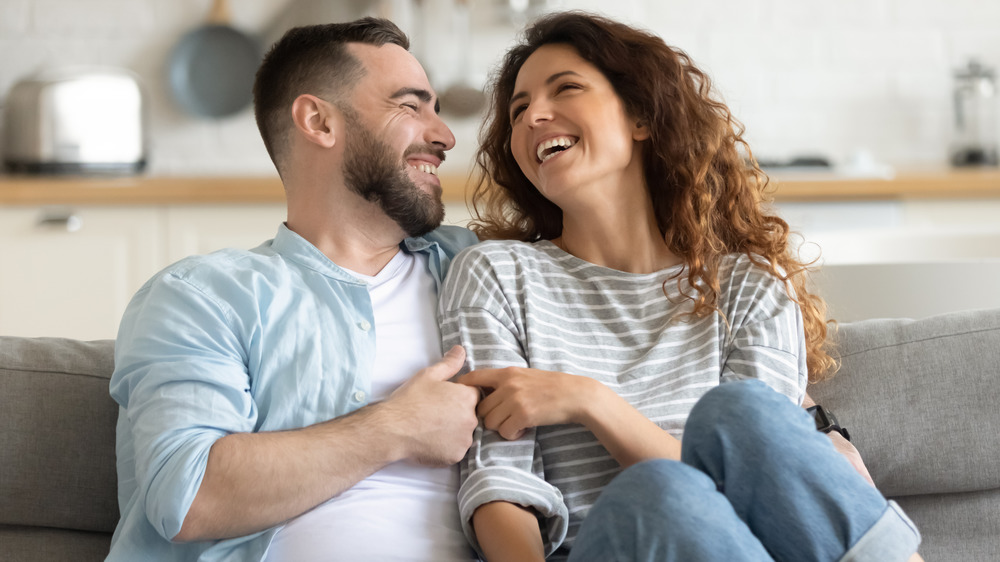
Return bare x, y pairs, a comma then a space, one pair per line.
58, 442
920, 400
922, 394
918, 396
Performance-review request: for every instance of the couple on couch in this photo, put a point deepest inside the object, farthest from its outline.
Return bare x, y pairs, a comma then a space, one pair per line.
291, 402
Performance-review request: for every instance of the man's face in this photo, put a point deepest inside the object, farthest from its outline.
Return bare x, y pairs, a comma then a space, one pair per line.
395, 140
375, 171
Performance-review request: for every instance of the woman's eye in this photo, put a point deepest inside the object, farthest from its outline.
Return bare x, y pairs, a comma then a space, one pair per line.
567, 86
517, 111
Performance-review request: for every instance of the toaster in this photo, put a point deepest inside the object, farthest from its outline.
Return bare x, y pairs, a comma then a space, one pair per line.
76, 121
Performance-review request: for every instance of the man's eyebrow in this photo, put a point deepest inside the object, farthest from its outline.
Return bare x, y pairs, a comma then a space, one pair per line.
548, 81
421, 94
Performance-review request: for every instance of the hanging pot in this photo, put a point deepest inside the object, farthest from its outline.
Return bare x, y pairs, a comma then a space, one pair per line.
212, 68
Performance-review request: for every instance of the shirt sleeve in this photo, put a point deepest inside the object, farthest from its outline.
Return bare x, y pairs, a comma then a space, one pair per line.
475, 313
767, 336
182, 383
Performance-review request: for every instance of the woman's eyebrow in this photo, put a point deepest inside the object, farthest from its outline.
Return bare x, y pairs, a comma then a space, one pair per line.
548, 81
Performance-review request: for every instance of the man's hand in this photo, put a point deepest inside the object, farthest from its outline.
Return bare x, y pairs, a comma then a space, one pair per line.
523, 398
435, 418
255, 481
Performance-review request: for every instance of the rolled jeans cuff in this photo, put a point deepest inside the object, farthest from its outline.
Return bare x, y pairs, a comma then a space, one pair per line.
892, 537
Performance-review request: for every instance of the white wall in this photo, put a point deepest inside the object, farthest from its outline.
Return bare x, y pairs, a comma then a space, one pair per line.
803, 75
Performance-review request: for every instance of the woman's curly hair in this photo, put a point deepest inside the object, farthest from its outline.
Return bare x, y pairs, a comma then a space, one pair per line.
708, 198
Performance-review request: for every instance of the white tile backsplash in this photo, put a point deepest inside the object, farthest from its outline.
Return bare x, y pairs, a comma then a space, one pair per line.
804, 76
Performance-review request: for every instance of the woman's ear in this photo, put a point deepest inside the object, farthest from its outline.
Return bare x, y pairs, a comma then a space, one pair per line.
314, 118
640, 132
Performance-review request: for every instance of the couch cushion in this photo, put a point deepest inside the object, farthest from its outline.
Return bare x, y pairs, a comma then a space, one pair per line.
956, 527
58, 444
920, 400
32, 544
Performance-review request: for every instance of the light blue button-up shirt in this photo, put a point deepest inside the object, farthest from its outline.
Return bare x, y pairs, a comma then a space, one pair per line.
275, 338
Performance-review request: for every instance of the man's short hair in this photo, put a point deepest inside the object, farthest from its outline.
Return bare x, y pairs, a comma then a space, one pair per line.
312, 59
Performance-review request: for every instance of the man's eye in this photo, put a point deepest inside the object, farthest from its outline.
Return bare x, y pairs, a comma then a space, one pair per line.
412, 106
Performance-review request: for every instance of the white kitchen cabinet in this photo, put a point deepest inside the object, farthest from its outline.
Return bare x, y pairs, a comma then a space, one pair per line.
70, 271
965, 213
200, 229
914, 231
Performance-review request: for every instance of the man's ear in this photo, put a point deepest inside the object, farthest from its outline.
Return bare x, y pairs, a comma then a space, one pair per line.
316, 120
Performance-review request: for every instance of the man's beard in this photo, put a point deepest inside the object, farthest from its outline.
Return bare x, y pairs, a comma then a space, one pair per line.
374, 171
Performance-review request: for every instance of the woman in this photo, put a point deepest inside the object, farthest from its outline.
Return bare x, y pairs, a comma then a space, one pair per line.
637, 272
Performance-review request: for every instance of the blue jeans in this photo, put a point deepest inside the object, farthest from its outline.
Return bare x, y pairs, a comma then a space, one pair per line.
756, 481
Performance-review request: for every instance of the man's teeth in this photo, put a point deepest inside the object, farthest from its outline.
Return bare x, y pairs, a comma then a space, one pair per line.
426, 168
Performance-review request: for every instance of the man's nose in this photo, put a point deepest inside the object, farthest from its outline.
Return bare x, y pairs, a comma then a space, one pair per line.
439, 134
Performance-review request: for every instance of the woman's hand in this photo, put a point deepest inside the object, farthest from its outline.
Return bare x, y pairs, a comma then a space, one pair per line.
522, 398
850, 452
843, 446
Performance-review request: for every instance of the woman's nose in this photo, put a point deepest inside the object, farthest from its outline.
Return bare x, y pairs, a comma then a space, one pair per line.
538, 111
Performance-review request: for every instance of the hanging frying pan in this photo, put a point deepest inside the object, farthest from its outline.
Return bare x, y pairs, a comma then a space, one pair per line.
211, 69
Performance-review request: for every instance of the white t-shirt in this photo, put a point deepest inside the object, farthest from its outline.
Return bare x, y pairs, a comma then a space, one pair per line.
404, 511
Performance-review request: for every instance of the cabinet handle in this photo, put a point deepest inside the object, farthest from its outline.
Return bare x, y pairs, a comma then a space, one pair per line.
63, 219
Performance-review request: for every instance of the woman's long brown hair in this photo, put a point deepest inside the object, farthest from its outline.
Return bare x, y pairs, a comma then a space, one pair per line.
708, 197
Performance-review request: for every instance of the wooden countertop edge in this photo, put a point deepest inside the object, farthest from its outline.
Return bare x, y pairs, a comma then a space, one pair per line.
949, 184
25, 190
159, 190
139, 190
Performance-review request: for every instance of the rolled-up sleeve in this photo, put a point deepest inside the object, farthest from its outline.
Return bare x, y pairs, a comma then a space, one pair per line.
767, 341
182, 382
476, 313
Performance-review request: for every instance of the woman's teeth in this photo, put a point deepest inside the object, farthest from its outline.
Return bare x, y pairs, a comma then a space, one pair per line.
549, 148
426, 168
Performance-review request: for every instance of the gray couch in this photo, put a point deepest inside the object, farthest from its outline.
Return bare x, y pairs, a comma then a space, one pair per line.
919, 398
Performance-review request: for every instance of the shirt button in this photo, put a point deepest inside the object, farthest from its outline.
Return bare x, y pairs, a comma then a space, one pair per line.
364, 325
359, 396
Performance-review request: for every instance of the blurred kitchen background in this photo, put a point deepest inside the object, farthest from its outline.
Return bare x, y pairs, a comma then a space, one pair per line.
806, 77
877, 119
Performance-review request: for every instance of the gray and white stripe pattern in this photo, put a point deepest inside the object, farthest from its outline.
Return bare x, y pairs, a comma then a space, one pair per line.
518, 304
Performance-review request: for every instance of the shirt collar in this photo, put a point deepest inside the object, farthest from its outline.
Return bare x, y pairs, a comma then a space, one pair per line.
291, 246
417, 244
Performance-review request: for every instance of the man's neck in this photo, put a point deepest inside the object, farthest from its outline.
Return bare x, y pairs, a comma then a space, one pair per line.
355, 234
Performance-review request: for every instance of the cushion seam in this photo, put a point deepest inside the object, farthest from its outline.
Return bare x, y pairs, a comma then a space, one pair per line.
927, 339
949, 493
8, 370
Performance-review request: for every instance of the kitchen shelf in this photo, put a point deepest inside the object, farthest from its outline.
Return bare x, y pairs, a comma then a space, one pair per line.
813, 186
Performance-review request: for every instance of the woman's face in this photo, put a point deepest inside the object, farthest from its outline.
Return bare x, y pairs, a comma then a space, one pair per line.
569, 129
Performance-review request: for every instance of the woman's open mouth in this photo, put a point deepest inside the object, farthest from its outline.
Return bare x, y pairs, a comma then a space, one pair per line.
549, 148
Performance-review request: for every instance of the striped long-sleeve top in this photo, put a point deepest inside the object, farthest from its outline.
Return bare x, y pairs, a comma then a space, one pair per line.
533, 305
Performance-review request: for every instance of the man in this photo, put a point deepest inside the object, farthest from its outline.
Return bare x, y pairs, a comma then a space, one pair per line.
291, 402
